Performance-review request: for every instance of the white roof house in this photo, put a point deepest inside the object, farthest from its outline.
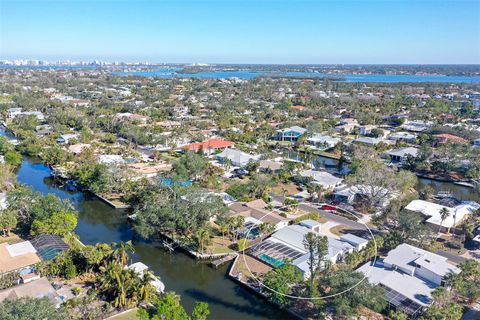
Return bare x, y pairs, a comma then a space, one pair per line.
432, 210
323, 178
237, 157
292, 236
111, 159
403, 136
65, 138
322, 142
402, 153
411, 273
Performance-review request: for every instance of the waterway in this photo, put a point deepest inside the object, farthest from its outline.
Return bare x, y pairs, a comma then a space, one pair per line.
193, 280
242, 74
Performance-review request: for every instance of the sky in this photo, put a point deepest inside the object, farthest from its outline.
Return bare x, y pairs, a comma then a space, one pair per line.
243, 31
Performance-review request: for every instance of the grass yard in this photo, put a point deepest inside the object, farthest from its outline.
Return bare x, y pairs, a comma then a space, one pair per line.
127, 315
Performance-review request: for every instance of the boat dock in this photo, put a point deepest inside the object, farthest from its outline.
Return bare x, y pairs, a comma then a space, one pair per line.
219, 262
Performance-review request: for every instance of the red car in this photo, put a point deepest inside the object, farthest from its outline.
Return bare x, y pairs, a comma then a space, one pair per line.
328, 207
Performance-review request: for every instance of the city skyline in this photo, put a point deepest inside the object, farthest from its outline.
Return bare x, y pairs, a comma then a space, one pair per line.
263, 32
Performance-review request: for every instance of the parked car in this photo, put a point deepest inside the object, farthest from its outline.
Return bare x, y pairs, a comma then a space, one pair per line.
328, 207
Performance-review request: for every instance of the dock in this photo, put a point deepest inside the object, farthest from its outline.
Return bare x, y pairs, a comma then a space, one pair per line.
219, 262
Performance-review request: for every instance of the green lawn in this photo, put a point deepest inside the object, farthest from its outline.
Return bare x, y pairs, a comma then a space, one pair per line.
127, 315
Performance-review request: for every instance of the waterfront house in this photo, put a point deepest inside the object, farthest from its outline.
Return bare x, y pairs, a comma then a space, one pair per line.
17, 257
322, 178
290, 134
322, 142
433, 210
402, 154
236, 157
256, 212
288, 244
67, 138
13, 112
409, 275
210, 146
368, 141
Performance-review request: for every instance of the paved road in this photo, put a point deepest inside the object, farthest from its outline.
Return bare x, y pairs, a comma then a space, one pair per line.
452, 257
306, 206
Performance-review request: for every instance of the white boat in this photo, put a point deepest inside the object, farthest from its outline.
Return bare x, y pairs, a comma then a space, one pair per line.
140, 268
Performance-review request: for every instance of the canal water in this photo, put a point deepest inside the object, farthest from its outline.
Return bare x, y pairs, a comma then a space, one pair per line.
194, 281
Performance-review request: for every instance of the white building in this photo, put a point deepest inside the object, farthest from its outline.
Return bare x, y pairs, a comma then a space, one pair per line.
322, 178
409, 275
433, 210
322, 142
237, 158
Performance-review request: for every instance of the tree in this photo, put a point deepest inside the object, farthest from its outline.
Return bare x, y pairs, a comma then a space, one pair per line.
376, 183
443, 307
190, 166
61, 223
282, 280
168, 307
444, 213
201, 311
121, 252
8, 221
317, 248
203, 238
13, 158
30, 308
174, 210
363, 294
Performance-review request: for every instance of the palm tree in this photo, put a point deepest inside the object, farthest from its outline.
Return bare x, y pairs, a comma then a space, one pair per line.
203, 235
145, 288
444, 213
223, 227
121, 252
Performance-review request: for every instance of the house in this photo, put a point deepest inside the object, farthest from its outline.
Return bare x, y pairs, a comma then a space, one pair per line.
269, 166
210, 146
288, 244
40, 116
17, 257
111, 159
449, 138
322, 178
403, 136
66, 138
357, 242
43, 130
409, 275
367, 129
290, 134
236, 157
133, 117
368, 141
13, 112
417, 125
313, 225
255, 213
401, 155
349, 195
345, 128
33, 289
322, 142
433, 211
